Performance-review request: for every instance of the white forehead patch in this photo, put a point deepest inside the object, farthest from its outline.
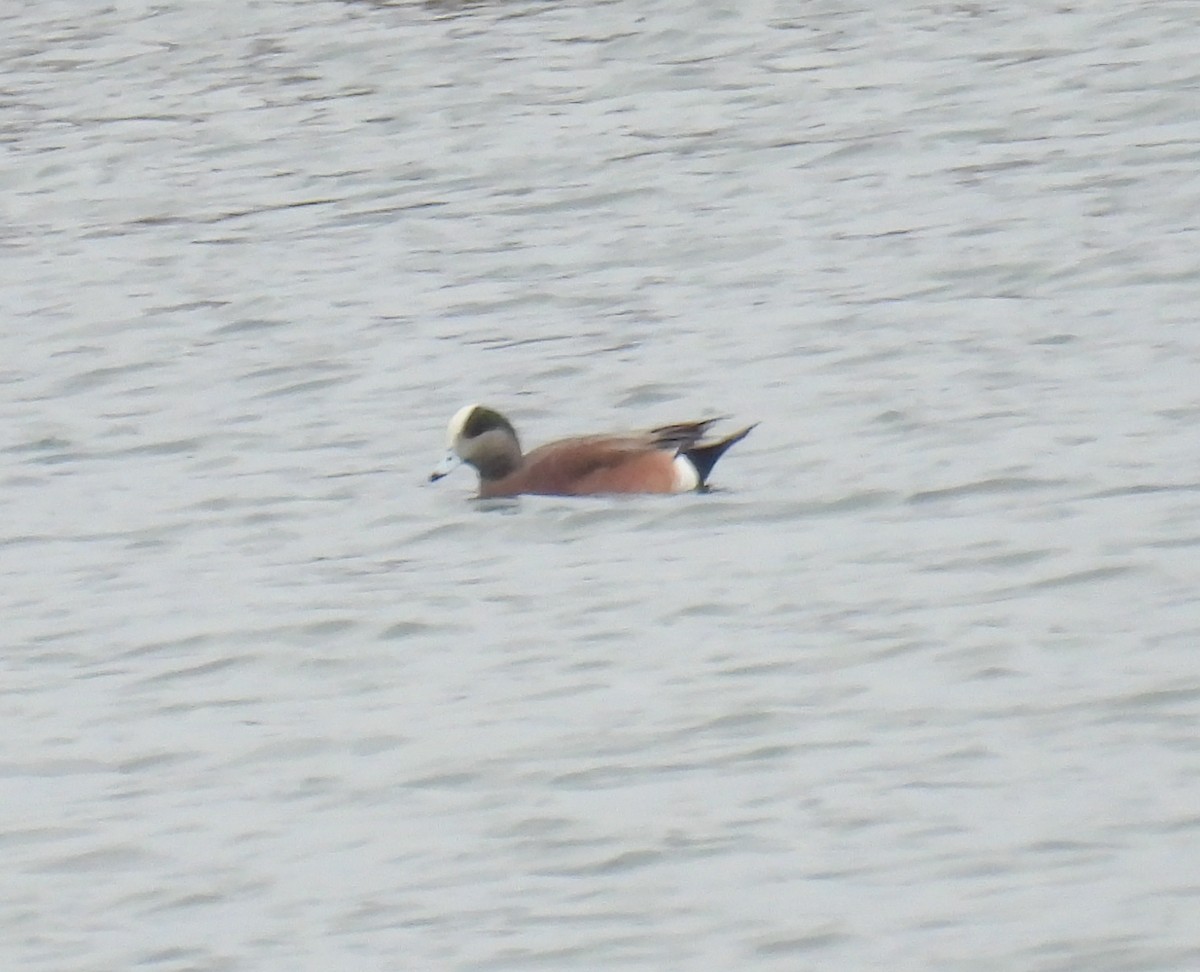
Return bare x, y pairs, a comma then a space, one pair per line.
454, 429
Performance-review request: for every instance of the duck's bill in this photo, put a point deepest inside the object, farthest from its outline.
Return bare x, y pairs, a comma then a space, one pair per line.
444, 467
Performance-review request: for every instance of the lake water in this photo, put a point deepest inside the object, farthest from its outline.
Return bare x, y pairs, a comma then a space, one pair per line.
917, 687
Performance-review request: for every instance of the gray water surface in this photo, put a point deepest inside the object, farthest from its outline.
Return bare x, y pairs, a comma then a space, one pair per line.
915, 688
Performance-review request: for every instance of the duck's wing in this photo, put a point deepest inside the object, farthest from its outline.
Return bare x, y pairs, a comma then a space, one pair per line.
682, 435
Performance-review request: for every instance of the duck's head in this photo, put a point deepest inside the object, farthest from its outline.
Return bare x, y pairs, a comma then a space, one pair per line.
483, 438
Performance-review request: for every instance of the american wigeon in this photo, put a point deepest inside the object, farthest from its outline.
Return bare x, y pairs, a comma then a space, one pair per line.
670, 459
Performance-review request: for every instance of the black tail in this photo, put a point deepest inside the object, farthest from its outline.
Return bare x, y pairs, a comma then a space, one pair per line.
705, 455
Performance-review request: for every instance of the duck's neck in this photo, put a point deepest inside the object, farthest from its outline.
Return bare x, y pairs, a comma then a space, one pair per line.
500, 458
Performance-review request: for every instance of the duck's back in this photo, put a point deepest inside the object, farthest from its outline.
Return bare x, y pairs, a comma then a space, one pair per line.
590, 465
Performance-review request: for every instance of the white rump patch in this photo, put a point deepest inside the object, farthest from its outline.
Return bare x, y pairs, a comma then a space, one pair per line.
686, 476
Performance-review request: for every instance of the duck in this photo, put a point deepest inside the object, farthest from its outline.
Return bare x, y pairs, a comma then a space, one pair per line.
674, 458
